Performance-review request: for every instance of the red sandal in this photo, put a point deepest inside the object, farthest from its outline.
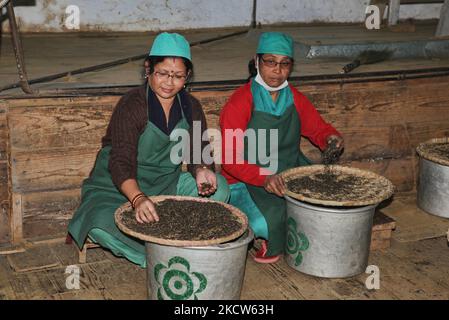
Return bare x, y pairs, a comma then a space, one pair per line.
261, 255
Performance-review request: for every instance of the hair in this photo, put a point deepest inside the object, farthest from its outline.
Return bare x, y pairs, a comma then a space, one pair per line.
152, 61
252, 66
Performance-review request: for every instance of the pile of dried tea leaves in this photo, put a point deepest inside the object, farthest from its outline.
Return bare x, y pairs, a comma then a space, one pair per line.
333, 185
186, 220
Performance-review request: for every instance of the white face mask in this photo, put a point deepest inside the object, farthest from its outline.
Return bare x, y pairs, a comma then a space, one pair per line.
260, 81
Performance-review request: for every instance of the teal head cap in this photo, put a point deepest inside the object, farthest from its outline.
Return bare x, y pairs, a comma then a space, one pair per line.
170, 45
276, 43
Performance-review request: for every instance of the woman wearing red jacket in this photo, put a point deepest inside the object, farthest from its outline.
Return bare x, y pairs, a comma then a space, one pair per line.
274, 115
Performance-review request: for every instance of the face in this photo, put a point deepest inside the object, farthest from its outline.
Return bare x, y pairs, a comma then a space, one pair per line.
168, 78
275, 69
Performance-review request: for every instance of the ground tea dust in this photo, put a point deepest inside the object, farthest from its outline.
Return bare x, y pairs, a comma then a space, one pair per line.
332, 185
186, 220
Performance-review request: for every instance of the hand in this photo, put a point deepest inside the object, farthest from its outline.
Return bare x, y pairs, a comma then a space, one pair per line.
145, 211
275, 184
206, 181
337, 140
331, 155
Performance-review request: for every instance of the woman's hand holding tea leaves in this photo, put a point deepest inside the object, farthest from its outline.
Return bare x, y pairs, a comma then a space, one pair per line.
206, 181
333, 150
145, 211
275, 184
336, 140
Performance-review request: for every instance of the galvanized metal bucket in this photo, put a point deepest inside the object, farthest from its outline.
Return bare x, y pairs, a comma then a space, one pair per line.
205, 273
329, 242
433, 188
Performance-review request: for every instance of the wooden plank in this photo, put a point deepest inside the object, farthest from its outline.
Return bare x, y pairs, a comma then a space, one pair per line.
64, 168
404, 279
428, 257
53, 205
401, 172
367, 143
425, 130
382, 221
287, 285
380, 239
413, 224
4, 194
5, 235
371, 127
44, 229
443, 24
67, 254
54, 127
400, 103
16, 219
354, 288
382, 229
279, 277
87, 294
58, 101
3, 131
46, 214
7, 248
6, 290
393, 12
36, 258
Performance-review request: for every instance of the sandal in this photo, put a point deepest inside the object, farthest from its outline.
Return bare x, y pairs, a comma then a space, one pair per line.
261, 257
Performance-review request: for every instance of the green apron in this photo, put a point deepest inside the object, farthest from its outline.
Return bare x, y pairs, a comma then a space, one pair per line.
156, 174
270, 205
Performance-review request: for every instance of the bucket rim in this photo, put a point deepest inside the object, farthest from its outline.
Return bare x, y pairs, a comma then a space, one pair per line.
243, 240
325, 209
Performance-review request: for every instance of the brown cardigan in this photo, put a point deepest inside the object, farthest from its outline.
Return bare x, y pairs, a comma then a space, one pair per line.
128, 122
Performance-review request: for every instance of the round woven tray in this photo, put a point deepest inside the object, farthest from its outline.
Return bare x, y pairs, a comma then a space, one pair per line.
378, 188
425, 152
182, 243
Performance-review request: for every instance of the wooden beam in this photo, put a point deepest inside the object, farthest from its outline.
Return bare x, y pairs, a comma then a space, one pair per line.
443, 24
16, 219
393, 12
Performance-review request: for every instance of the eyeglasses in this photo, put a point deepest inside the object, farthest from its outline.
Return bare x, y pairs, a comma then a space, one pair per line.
272, 64
165, 76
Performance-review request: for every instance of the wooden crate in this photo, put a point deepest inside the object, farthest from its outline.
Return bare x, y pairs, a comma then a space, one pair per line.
383, 226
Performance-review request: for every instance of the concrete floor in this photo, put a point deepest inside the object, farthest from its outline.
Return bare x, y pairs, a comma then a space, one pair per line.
227, 59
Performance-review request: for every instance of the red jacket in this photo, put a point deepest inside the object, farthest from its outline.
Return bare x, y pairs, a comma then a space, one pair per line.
236, 114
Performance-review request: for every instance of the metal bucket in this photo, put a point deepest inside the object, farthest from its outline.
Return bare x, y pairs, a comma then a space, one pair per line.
204, 273
433, 188
328, 242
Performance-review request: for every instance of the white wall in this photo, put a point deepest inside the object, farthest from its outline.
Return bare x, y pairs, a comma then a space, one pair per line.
155, 15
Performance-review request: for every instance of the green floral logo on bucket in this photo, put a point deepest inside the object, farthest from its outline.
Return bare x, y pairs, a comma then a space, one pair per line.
296, 241
176, 282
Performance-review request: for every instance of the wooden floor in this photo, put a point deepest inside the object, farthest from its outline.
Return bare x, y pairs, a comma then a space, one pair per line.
416, 269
